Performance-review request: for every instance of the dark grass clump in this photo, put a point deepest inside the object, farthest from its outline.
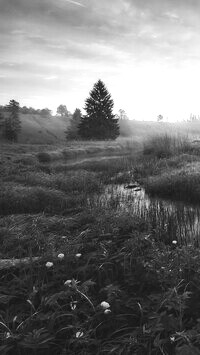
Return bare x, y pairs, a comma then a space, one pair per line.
146, 166
23, 199
40, 234
182, 184
77, 182
44, 157
117, 168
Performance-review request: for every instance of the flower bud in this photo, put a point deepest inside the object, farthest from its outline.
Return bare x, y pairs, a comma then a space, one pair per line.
105, 305
61, 256
49, 264
78, 255
79, 334
68, 283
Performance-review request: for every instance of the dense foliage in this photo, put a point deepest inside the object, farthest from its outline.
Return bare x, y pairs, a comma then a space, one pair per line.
99, 122
12, 125
63, 111
73, 129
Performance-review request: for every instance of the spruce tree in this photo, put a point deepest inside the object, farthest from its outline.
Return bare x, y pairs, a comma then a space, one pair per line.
73, 129
99, 122
12, 121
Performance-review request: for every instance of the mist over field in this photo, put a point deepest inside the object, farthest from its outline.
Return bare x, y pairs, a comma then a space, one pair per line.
51, 130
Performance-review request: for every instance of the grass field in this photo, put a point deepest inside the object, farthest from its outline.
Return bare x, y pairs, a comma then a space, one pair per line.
82, 277
38, 130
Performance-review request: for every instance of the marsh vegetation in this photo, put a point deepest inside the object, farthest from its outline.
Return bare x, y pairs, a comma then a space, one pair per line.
117, 270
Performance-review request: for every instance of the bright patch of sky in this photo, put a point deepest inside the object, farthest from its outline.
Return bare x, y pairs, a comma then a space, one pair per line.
147, 52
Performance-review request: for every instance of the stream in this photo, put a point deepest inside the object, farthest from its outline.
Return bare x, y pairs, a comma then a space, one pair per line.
169, 220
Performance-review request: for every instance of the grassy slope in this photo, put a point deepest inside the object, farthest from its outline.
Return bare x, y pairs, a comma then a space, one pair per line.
42, 130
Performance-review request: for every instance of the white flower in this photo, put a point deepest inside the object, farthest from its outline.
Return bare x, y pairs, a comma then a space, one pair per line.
174, 242
68, 283
107, 311
8, 335
79, 334
78, 255
73, 305
49, 264
64, 237
172, 339
105, 305
61, 256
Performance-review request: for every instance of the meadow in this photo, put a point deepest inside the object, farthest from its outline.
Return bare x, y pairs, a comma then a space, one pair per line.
82, 276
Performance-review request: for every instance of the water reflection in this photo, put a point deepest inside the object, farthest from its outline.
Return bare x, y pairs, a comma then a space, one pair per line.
168, 219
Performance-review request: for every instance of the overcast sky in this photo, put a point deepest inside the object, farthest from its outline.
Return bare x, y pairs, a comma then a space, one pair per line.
147, 52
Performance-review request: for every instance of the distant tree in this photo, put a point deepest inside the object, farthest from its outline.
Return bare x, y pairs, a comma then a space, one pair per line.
73, 129
99, 122
24, 110
62, 110
45, 112
121, 115
193, 118
160, 118
2, 108
12, 125
28, 110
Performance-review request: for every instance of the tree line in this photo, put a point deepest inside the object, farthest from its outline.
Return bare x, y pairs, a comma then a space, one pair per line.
99, 122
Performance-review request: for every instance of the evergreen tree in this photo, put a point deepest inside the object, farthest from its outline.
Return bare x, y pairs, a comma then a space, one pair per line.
12, 121
99, 122
73, 130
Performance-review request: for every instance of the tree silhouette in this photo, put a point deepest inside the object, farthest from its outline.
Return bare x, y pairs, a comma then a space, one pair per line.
99, 122
12, 121
73, 130
62, 110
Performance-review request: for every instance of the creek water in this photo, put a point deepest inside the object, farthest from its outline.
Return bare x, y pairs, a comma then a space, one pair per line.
170, 220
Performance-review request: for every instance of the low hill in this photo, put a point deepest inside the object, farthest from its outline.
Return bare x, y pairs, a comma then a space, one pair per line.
37, 129
42, 130
45, 130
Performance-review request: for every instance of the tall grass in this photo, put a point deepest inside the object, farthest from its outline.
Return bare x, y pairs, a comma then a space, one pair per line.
23, 199
182, 184
70, 182
164, 146
41, 234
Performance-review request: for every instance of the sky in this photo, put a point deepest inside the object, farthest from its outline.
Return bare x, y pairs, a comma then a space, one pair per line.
147, 52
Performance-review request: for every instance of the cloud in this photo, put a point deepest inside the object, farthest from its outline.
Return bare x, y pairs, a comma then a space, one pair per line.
52, 77
76, 42
75, 3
